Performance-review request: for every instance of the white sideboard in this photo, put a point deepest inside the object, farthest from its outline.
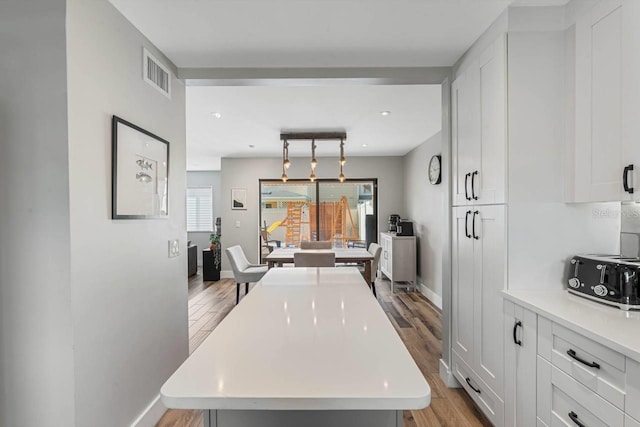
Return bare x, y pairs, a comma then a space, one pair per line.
398, 259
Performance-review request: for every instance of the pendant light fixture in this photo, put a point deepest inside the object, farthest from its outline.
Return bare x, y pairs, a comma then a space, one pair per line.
314, 162
285, 160
313, 137
343, 160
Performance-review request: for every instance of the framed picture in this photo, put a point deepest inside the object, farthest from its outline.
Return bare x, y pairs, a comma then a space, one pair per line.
239, 198
140, 172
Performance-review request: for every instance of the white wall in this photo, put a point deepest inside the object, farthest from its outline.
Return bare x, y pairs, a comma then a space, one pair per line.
245, 173
129, 300
544, 231
36, 347
424, 205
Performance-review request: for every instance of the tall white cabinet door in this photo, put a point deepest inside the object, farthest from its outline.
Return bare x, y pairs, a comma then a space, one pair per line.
463, 292
600, 161
520, 340
465, 103
489, 172
489, 235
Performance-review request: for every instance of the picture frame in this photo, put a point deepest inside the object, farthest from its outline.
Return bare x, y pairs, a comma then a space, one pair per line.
139, 172
239, 199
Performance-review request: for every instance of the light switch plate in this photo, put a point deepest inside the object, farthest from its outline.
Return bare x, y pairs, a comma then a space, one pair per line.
237, 224
174, 248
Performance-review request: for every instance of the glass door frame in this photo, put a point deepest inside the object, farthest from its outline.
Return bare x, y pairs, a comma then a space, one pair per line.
317, 183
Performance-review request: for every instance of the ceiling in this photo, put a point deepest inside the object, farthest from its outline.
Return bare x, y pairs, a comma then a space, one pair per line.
311, 33
314, 33
255, 115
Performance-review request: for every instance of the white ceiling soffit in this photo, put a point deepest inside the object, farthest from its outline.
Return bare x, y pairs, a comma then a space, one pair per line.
256, 116
313, 33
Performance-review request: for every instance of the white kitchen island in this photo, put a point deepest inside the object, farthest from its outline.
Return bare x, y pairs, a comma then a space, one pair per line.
307, 346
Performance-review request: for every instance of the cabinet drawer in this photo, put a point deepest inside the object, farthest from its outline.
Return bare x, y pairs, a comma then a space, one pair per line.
485, 398
560, 397
633, 389
600, 369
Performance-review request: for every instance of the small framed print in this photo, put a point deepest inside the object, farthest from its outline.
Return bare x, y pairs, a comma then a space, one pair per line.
140, 172
239, 198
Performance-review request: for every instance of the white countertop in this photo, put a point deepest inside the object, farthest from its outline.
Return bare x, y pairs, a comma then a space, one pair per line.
615, 328
302, 339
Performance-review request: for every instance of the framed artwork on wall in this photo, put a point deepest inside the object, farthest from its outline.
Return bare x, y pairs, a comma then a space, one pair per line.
139, 172
239, 198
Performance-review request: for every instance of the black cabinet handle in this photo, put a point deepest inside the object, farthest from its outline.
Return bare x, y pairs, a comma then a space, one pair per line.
625, 179
466, 224
473, 185
574, 418
573, 355
477, 390
515, 333
466, 191
473, 225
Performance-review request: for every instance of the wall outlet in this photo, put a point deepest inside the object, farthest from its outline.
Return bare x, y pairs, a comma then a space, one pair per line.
174, 248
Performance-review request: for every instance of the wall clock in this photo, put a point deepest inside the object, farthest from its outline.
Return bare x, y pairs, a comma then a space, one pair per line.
435, 169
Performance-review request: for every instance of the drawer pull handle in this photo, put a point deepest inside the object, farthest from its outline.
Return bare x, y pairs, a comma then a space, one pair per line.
466, 224
466, 192
575, 419
573, 355
625, 179
477, 390
515, 333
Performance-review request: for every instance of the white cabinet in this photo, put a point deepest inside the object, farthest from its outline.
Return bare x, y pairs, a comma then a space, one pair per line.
479, 252
398, 259
606, 150
563, 401
520, 329
479, 129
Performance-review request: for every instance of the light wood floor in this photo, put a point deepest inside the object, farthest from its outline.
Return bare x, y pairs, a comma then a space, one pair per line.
417, 321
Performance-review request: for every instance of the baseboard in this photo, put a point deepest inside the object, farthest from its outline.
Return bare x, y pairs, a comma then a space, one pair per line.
430, 295
151, 415
447, 376
226, 274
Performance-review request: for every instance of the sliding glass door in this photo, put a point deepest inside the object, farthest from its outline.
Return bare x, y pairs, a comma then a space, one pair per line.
341, 212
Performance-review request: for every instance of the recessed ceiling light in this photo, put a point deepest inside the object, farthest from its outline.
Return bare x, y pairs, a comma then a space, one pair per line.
216, 114
385, 113
365, 145
252, 146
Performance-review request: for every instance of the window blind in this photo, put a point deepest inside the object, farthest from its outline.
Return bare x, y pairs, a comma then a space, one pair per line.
199, 209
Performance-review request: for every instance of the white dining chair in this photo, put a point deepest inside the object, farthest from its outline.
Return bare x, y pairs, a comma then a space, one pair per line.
243, 270
314, 259
306, 244
375, 250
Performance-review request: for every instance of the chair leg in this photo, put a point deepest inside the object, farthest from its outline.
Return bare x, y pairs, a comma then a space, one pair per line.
246, 288
373, 288
237, 293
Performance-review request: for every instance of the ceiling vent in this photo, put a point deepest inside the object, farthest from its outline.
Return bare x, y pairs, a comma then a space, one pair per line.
155, 73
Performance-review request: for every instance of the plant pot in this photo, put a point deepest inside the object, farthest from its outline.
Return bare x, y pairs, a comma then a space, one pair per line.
212, 246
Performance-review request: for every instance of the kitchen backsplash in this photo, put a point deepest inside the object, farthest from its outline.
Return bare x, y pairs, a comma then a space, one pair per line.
630, 229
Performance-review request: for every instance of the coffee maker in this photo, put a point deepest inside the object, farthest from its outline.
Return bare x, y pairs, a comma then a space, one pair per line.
393, 223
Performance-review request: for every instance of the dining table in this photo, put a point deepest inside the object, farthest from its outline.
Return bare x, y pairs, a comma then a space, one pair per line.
281, 256
307, 346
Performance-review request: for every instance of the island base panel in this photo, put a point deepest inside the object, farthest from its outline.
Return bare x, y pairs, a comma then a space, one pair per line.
259, 418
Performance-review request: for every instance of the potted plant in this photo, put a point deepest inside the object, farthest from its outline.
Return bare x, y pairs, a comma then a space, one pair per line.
215, 241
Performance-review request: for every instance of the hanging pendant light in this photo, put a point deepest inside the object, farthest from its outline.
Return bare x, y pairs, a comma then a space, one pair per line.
314, 162
343, 160
285, 155
284, 161
313, 137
